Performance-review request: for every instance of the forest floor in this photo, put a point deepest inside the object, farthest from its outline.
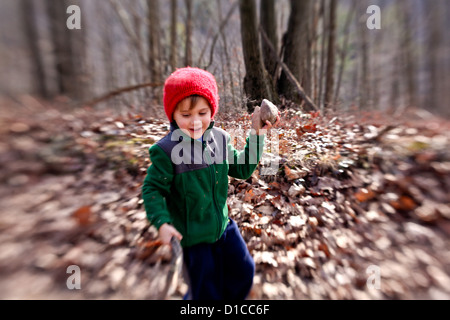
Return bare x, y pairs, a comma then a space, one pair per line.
357, 207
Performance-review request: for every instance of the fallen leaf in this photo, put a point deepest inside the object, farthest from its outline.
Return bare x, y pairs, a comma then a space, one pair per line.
323, 247
404, 203
83, 215
296, 221
364, 195
248, 195
296, 190
294, 174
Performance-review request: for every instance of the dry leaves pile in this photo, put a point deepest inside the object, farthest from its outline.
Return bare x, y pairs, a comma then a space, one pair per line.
351, 194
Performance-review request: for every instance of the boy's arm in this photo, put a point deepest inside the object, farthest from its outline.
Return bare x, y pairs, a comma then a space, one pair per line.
157, 186
243, 163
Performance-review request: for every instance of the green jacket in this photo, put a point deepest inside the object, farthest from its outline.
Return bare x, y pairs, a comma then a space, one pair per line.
187, 183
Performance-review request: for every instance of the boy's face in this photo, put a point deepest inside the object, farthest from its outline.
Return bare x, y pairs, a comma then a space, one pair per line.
193, 120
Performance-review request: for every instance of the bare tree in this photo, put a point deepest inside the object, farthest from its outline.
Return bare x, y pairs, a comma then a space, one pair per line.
434, 43
408, 52
314, 53
344, 50
124, 19
32, 40
331, 55
173, 34
295, 45
227, 56
154, 44
257, 84
268, 20
323, 13
188, 46
108, 51
69, 51
364, 94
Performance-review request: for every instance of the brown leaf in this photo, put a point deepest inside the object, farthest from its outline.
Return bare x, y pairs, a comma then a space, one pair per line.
293, 174
278, 202
274, 185
249, 195
323, 247
83, 215
148, 248
404, 203
364, 195
252, 229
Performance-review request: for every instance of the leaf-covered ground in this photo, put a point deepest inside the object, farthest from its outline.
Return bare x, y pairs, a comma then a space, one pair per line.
351, 197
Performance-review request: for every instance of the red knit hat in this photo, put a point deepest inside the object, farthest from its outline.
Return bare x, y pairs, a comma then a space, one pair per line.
186, 82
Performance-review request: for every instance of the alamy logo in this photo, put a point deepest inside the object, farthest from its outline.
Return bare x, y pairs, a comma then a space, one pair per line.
216, 151
73, 281
374, 21
74, 21
374, 280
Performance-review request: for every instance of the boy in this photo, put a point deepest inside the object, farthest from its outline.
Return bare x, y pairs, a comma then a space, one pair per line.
186, 187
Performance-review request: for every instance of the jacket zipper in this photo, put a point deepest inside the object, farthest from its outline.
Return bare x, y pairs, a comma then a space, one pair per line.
219, 224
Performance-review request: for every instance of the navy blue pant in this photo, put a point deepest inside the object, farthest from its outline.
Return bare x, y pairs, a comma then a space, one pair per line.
220, 270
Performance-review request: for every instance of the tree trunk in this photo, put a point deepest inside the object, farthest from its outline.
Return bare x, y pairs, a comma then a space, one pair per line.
331, 56
227, 57
344, 50
323, 13
173, 35
154, 45
434, 42
311, 33
364, 94
108, 51
154, 41
295, 49
61, 47
408, 53
188, 46
257, 85
315, 56
32, 40
395, 84
69, 51
268, 20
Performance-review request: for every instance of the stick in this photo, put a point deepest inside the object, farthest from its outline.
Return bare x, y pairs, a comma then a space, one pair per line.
176, 266
119, 91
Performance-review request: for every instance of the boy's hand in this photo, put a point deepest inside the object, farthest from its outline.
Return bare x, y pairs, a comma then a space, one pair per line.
166, 232
256, 122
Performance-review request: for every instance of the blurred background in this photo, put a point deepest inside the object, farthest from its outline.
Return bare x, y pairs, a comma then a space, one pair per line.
326, 45
366, 185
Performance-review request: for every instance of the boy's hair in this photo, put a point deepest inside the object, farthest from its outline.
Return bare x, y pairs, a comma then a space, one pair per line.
187, 82
193, 100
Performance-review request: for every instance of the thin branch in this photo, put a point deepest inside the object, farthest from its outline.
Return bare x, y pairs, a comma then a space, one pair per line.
125, 21
221, 27
120, 91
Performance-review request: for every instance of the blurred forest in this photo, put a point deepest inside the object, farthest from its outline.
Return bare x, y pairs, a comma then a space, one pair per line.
362, 154
338, 62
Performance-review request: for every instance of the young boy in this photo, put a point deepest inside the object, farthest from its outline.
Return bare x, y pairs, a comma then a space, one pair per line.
186, 187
